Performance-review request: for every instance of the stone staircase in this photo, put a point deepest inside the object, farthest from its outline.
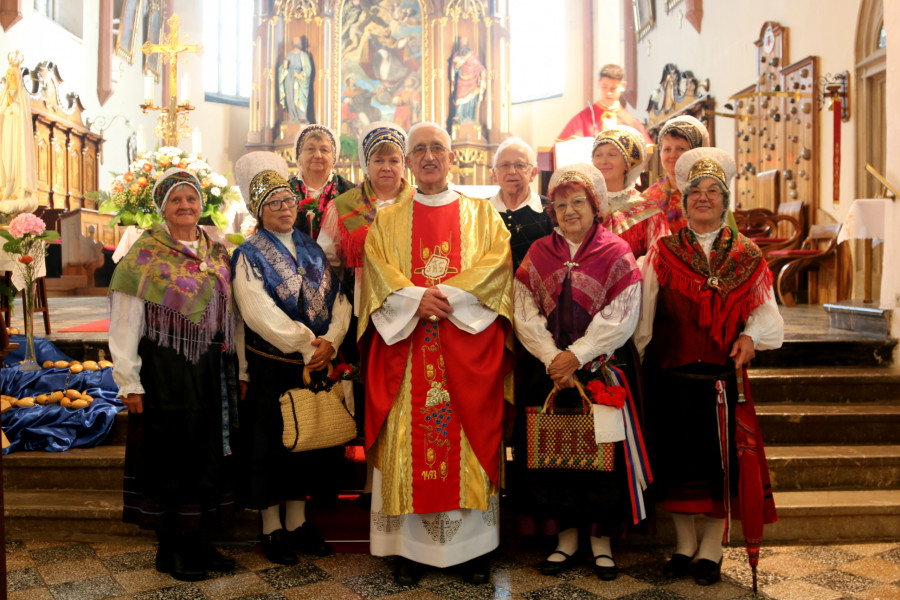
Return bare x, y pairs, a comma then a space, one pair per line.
832, 438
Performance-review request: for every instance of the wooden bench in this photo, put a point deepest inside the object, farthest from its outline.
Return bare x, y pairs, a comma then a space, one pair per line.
819, 248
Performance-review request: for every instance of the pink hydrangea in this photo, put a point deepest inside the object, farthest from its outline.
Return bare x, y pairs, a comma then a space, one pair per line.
25, 224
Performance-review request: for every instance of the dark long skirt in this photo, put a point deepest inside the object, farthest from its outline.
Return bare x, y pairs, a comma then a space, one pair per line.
176, 471
548, 501
270, 474
683, 436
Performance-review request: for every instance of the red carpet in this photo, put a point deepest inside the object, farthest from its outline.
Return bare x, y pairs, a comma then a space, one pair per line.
92, 327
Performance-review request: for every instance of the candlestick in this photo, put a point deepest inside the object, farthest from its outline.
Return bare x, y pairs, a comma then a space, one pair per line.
141, 142
185, 90
148, 88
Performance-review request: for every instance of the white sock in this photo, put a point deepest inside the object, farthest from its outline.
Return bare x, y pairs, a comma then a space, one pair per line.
271, 519
600, 545
294, 514
685, 534
568, 543
711, 544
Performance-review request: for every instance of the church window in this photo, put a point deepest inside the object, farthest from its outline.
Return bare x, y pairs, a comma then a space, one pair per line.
882, 37
537, 38
68, 14
228, 51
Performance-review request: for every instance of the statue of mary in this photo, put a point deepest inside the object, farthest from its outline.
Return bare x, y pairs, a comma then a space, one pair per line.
18, 185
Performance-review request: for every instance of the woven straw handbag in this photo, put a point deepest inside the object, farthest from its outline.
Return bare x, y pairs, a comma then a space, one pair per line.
563, 438
315, 416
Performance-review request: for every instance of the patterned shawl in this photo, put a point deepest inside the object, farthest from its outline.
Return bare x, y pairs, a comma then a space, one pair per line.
668, 199
305, 288
310, 210
356, 210
734, 282
188, 295
601, 269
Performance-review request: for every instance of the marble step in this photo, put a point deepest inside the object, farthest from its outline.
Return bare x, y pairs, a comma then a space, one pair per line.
818, 424
804, 468
818, 385
100, 468
863, 350
835, 516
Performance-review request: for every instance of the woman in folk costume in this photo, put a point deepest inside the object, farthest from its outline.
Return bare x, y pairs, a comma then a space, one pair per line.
708, 306
577, 300
677, 136
294, 315
171, 337
345, 224
316, 183
619, 154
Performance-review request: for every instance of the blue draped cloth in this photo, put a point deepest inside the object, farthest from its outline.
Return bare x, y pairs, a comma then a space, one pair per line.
304, 288
52, 427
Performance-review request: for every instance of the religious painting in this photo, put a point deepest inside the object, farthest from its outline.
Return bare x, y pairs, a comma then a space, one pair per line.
152, 33
467, 82
381, 64
671, 4
129, 19
643, 17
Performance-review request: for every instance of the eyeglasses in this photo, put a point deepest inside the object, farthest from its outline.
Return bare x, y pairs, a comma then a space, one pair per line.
578, 203
436, 150
278, 205
520, 167
712, 193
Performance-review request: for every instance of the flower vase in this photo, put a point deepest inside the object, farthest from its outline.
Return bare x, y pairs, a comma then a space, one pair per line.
29, 364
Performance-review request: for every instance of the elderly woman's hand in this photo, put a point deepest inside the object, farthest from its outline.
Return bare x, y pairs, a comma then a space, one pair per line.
323, 354
134, 403
562, 369
742, 351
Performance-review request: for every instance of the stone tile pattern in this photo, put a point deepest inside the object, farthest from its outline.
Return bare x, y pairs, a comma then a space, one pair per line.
124, 569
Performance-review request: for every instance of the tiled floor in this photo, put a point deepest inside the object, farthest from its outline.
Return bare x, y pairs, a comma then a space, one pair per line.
124, 569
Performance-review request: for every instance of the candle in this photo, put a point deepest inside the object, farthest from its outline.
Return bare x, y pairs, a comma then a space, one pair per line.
196, 141
141, 142
185, 89
148, 88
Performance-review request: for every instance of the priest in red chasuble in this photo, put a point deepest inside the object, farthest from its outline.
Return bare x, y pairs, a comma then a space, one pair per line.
435, 333
606, 112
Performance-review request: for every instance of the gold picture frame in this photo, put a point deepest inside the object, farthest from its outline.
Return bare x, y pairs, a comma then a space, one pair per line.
153, 33
644, 17
129, 24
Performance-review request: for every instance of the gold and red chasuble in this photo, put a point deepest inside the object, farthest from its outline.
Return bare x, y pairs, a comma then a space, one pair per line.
436, 426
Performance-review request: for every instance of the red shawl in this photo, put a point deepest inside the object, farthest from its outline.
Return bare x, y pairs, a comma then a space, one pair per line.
602, 268
729, 286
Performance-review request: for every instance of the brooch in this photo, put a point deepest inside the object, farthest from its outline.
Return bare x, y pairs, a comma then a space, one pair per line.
203, 266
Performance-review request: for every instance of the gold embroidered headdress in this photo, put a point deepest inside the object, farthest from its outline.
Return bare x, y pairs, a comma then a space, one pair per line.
687, 127
630, 143
699, 163
586, 176
263, 185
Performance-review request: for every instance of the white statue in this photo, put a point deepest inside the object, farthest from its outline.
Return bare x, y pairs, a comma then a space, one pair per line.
18, 185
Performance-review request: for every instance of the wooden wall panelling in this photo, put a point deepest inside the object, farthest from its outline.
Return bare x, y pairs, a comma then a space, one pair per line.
801, 132
746, 144
75, 172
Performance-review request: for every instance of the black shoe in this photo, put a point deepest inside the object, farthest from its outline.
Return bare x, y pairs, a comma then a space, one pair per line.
306, 539
163, 558
408, 572
706, 572
213, 560
477, 570
186, 566
606, 573
277, 548
678, 566
549, 567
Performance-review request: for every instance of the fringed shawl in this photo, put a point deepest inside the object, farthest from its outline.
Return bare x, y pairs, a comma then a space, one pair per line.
187, 295
304, 288
356, 210
729, 286
602, 268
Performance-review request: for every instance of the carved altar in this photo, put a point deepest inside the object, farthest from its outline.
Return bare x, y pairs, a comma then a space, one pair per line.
346, 63
67, 153
678, 93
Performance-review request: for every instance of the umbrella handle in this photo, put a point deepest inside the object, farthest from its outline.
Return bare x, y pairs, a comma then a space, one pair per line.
739, 373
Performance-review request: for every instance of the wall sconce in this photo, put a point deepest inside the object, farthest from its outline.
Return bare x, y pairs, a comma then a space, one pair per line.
832, 88
100, 123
